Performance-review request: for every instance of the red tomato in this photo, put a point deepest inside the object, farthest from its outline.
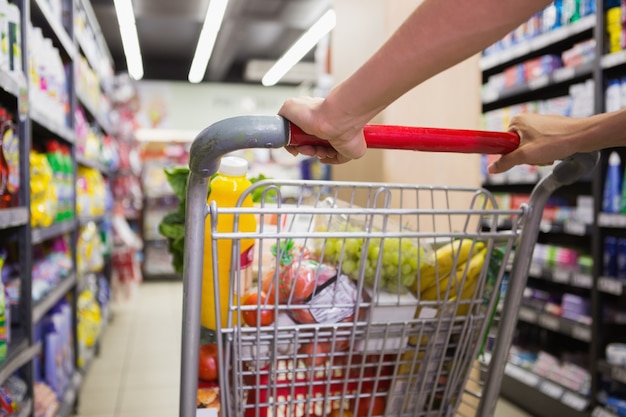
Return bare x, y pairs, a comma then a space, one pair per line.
265, 314
207, 362
316, 354
377, 403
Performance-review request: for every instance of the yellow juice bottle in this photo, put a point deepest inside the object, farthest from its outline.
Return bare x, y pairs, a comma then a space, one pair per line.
226, 188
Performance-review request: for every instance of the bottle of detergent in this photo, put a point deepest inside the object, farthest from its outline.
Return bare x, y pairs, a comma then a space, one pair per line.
226, 188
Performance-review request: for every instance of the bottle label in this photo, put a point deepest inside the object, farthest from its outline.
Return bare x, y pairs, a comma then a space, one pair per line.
10, 144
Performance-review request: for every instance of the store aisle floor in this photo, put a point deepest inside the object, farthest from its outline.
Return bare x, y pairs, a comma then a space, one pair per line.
137, 372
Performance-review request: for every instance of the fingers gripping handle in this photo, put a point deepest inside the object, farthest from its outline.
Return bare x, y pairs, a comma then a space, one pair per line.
245, 132
423, 139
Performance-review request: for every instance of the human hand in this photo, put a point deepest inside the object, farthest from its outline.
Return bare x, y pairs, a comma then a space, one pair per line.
543, 140
313, 117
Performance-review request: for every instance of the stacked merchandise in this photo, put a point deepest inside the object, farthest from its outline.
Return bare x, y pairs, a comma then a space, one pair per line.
54, 366
9, 161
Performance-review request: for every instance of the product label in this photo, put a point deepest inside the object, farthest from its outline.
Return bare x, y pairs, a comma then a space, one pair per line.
335, 302
11, 149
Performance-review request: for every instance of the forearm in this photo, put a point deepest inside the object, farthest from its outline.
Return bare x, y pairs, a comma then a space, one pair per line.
601, 131
438, 34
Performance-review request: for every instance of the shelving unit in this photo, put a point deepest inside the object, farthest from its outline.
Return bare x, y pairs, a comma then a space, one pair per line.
36, 126
521, 386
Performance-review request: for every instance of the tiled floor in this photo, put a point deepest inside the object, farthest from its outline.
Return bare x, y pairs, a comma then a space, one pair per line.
137, 372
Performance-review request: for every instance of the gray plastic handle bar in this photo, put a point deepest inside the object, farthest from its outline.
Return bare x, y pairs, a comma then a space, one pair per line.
246, 132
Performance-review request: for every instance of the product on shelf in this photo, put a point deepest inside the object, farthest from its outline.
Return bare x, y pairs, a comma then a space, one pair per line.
90, 192
614, 26
55, 364
46, 402
5, 321
47, 77
89, 249
12, 393
43, 191
558, 14
89, 324
10, 33
9, 161
52, 263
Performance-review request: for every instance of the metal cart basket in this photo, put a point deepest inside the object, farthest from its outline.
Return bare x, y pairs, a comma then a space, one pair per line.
379, 296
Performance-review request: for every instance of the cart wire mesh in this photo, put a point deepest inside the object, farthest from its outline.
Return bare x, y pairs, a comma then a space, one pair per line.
367, 317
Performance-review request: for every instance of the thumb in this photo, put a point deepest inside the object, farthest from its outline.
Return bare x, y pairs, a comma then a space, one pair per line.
502, 164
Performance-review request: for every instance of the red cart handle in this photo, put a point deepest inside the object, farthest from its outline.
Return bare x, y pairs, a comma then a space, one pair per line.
423, 139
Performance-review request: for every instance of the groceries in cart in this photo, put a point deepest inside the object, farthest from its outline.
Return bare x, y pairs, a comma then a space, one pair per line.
356, 314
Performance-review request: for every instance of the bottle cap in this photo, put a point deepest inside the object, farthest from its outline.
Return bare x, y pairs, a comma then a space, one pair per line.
233, 166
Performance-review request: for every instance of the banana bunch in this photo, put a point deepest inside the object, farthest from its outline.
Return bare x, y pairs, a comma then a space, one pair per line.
467, 255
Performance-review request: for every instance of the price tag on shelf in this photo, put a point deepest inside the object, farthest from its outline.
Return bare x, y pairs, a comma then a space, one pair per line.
539, 82
574, 401
551, 390
549, 322
575, 228
610, 285
561, 276
619, 374
535, 270
582, 280
581, 333
601, 412
522, 375
528, 315
613, 60
611, 220
563, 74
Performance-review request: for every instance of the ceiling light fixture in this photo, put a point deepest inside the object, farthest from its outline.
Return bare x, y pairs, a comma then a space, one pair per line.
298, 50
130, 40
206, 41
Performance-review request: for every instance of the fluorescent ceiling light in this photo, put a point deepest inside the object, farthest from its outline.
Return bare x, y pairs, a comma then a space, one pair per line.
206, 41
130, 40
298, 50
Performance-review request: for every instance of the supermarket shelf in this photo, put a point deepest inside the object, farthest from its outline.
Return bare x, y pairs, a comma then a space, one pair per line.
90, 107
42, 307
561, 75
83, 220
10, 84
69, 397
41, 234
13, 217
537, 44
540, 396
613, 60
95, 62
611, 285
570, 227
39, 116
561, 325
82, 160
617, 373
561, 276
602, 412
58, 29
616, 220
26, 408
17, 356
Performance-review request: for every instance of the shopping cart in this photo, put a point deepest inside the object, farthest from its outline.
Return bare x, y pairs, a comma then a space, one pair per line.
362, 339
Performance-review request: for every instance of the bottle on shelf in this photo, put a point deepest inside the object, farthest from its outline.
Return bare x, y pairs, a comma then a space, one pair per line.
226, 188
9, 161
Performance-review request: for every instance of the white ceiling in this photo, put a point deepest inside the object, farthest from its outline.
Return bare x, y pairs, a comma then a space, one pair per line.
169, 29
